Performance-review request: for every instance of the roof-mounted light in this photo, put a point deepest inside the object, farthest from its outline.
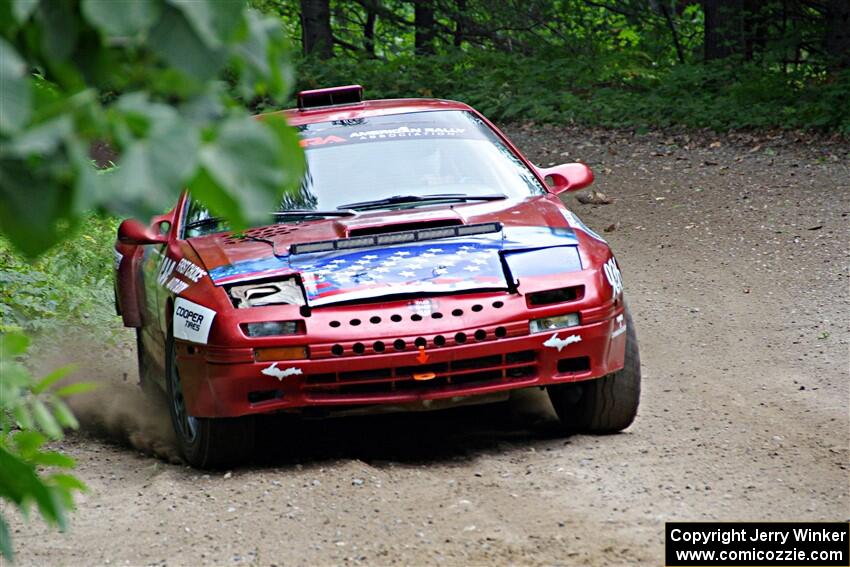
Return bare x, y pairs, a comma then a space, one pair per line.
396, 238
334, 96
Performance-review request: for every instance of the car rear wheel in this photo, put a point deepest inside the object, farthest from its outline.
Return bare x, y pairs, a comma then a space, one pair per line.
207, 443
603, 405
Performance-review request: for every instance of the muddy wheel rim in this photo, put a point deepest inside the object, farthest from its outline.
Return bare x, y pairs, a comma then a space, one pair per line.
187, 424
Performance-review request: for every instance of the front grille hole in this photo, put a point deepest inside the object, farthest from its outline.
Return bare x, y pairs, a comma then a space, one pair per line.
358, 348
416, 317
477, 308
501, 332
457, 312
437, 315
439, 340
378, 346
420, 342
337, 350
335, 323
498, 304
480, 335
395, 318
354, 322
375, 320
398, 344
573, 365
460, 338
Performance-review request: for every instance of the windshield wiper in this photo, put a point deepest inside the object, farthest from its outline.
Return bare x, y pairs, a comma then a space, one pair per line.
404, 199
311, 213
209, 221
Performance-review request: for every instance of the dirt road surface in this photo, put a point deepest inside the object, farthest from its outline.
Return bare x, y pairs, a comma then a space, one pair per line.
735, 261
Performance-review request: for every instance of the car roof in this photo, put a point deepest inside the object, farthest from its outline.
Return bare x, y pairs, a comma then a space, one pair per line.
365, 109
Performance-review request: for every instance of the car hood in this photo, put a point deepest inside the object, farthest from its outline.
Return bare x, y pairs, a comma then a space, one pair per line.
489, 261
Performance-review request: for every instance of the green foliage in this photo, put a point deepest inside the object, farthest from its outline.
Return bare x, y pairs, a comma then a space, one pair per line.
140, 78
614, 90
31, 413
71, 283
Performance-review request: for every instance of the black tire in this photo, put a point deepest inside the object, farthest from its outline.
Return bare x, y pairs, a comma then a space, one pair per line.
603, 405
205, 443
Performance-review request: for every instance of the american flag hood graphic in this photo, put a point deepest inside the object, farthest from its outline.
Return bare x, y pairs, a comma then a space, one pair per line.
480, 262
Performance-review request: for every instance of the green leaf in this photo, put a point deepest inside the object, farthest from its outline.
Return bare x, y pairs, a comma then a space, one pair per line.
53, 459
68, 482
6, 541
45, 420
64, 415
32, 229
28, 442
20, 484
59, 30
15, 94
78, 388
248, 161
154, 171
23, 416
52, 378
23, 9
42, 139
128, 19
213, 20
13, 344
173, 39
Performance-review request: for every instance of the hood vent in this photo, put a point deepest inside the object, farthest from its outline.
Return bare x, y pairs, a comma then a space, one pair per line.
401, 227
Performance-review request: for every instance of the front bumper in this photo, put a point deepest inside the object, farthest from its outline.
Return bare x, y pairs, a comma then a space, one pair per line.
495, 357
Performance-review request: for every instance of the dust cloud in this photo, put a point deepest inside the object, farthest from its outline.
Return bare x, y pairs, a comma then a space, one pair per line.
118, 411
123, 413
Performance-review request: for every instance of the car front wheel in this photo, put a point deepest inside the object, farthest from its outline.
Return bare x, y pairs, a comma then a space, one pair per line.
206, 443
603, 405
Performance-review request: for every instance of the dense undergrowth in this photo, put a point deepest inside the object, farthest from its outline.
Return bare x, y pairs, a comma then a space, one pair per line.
68, 289
610, 90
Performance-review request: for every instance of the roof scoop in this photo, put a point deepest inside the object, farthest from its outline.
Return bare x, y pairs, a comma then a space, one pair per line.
334, 96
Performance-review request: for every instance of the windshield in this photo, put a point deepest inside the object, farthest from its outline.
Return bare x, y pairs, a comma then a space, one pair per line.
422, 153
396, 158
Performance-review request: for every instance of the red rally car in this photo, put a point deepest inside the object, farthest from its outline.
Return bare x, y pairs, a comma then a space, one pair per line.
424, 262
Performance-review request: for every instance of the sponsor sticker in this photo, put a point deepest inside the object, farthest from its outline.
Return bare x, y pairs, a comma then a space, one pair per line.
621, 326
556, 342
168, 270
192, 322
424, 307
612, 273
276, 372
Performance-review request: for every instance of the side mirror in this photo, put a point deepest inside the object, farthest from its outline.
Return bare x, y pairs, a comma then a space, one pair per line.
132, 231
567, 177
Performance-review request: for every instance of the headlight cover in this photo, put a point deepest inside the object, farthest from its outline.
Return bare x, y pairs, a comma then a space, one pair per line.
281, 292
273, 328
553, 323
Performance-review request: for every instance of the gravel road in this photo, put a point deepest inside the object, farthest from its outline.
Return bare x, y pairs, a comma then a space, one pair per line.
735, 260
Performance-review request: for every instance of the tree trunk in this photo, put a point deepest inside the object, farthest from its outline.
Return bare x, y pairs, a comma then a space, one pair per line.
837, 40
680, 54
723, 28
316, 35
369, 29
423, 19
459, 23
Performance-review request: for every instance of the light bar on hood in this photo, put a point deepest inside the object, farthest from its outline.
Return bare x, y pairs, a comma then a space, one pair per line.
396, 238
